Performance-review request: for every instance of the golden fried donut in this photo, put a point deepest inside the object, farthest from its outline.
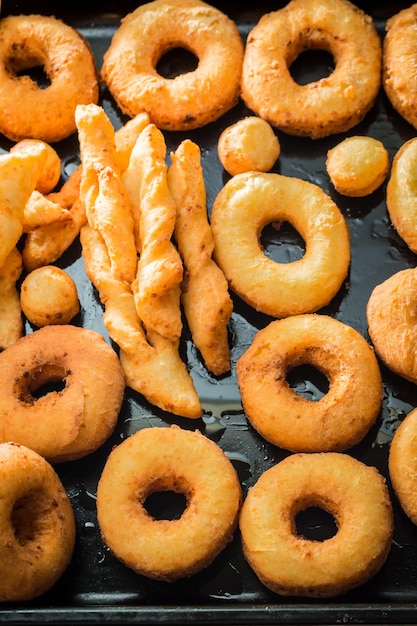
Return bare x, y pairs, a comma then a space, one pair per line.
191, 99
36, 41
37, 526
154, 460
391, 315
402, 464
342, 416
249, 144
402, 194
358, 165
250, 201
48, 295
398, 72
61, 424
330, 105
288, 563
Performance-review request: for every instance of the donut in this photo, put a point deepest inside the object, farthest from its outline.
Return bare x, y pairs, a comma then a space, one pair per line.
191, 99
289, 563
243, 207
61, 392
330, 105
249, 144
155, 460
342, 416
398, 63
37, 525
401, 193
391, 315
402, 464
357, 166
27, 110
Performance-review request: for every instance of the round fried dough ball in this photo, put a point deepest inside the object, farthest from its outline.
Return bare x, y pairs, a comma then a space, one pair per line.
358, 165
49, 296
248, 145
51, 172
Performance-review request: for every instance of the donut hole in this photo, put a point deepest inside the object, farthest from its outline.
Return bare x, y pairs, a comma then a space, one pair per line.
166, 498
176, 61
311, 66
29, 516
315, 523
40, 381
308, 382
282, 243
24, 63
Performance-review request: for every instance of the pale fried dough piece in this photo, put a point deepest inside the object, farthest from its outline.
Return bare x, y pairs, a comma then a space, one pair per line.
205, 295
107, 205
152, 368
159, 274
40, 211
11, 327
125, 138
51, 171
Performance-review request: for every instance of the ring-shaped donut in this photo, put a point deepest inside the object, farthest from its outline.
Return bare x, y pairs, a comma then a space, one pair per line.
246, 204
288, 563
332, 104
402, 195
27, 110
398, 63
168, 459
402, 464
191, 99
342, 416
37, 525
65, 423
391, 314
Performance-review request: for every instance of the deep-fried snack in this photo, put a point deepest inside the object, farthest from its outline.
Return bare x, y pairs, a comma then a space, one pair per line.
151, 363
37, 525
154, 460
51, 172
27, 110
332, 104
402, 464
250, 201
11, 326
191, 99
288, 563
48, 295
159, 270
204, 296
248, 145
398, 72
41, 211
358, 165
391, 312
402, 194
64, 424
107, 205
342, 416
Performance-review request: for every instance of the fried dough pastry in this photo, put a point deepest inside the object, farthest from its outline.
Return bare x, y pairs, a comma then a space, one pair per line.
11, 327
205, 295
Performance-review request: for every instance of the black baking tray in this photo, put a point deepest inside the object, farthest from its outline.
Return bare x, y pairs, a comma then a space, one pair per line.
96, 588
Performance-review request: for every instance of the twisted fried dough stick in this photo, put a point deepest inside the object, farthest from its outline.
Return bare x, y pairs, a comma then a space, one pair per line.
11, 327
205, 296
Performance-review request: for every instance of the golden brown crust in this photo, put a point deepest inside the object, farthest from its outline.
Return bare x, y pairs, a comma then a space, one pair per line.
402, 464
357, 497
398, 74
341, 417
66, 424
26, 111
37, 525
332, 104
168, 459
250, 201
189, 100
402, 193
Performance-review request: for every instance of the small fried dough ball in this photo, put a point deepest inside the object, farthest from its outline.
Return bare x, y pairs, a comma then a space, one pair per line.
357, 166
248, 145
51, 172
49, 296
